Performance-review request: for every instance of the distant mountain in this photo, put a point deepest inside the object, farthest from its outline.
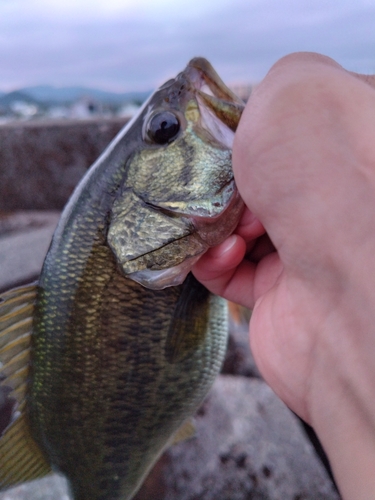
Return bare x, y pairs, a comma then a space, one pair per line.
48, 94
16, 95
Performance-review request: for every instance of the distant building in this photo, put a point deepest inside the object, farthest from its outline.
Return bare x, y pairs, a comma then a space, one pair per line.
57, 112
128, 110
23, 109
17, 105
86, 107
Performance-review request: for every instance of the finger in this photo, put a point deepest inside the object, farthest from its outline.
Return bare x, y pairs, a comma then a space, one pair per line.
218, 260
259, 249
224, 272
249, 227
370, 79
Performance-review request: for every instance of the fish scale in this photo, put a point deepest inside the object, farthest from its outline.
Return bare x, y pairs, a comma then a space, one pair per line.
92, 400
123, 347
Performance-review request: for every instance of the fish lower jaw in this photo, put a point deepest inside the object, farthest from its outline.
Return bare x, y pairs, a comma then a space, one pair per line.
163, 278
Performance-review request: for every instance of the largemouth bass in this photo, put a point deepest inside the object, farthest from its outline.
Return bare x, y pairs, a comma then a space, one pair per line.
104, 359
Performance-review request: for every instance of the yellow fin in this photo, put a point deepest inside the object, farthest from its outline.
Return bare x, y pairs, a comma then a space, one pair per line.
20, 457
186, 431
239, 314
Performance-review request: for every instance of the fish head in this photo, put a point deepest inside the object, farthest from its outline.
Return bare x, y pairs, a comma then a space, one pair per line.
179, 196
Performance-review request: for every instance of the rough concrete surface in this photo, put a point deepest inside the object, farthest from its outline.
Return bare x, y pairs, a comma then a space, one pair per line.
50, 488
248, 445
24, 241
239, 359
40, 163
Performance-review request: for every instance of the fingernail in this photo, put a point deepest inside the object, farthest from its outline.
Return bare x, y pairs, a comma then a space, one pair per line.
224, 247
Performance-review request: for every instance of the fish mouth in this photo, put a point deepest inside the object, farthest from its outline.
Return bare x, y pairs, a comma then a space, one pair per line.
219, 107
195, 225
208, 231
200, 209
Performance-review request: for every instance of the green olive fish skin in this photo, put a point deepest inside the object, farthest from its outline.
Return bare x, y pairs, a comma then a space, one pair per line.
125, 343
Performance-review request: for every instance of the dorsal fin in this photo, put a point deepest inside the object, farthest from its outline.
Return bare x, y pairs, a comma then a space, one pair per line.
20, 457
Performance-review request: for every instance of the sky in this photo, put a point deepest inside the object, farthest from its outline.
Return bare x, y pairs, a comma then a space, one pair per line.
125, 45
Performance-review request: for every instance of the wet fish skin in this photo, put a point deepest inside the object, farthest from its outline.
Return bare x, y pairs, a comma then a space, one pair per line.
116, 368
104, 413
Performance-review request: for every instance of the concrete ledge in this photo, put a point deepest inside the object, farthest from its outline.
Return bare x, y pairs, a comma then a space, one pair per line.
24, 241
41, 162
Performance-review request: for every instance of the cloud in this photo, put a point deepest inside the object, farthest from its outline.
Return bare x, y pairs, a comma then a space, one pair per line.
123, 45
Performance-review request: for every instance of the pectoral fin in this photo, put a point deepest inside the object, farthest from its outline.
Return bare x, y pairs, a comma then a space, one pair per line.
186, 431
20, 457
239, 314
189, 323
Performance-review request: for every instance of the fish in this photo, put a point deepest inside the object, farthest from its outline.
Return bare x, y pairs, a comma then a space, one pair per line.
106, 357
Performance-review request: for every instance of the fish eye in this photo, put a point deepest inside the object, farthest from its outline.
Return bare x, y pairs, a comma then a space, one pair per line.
163, 127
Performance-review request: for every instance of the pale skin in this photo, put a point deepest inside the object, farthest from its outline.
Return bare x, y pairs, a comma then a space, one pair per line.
304, 162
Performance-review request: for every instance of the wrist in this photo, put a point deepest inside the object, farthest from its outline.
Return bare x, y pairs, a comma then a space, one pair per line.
342, 412
350, 445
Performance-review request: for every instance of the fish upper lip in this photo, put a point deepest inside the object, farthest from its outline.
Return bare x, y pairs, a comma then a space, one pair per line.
222, 102
208, 76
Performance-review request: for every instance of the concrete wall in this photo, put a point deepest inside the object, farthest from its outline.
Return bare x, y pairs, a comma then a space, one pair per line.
41, 162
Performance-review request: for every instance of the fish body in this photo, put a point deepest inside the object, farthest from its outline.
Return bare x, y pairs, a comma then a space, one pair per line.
123, 347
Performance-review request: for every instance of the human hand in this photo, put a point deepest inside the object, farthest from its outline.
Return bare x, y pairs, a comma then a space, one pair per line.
304, 162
